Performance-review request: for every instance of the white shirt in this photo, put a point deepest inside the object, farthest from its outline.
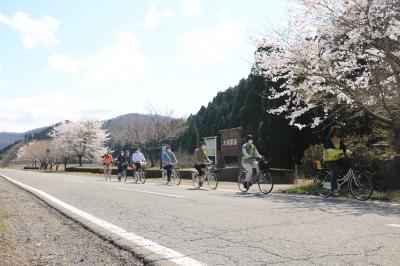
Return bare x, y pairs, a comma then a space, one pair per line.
138, 157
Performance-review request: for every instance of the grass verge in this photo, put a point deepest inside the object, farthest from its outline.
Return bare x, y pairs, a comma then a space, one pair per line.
2, 226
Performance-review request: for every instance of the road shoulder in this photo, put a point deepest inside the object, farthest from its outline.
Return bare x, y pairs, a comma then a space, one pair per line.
32, 233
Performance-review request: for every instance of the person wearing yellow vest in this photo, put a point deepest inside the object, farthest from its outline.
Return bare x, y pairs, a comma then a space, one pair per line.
201, 160
335, 154
249, 155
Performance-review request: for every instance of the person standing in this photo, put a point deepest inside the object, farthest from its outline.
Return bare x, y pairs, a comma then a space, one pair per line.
335, 155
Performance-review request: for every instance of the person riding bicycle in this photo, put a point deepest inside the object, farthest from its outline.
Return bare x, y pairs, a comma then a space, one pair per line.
168, 159
335, 155
138, 161
122, 164
107, 161
201, 160
249, 160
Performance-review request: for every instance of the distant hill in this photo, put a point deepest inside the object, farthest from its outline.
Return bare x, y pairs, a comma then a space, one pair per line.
10, 142
6, 138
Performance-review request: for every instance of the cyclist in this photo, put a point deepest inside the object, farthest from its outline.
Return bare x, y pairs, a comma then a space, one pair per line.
168, 158
122, 163
201, 160
107, 162
249, 155
138, 161
335, 153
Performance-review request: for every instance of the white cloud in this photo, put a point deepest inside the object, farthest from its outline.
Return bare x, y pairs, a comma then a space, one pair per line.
46, 108
214, 44
190, 7
63, 63
2, 83
223, 13
154, 18
34, 32
119, 64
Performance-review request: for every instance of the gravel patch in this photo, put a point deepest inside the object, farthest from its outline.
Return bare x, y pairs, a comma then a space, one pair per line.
32, 233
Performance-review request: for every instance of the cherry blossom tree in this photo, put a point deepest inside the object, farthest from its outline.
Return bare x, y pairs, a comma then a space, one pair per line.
82, 139
336, 54
162, 127
35, 151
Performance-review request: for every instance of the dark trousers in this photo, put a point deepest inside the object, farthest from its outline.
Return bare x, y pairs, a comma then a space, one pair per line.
168, 168
340, 166
199, 167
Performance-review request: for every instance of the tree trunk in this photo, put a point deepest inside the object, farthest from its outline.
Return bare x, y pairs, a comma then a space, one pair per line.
396, 130
65, 165
151, 159
80, 160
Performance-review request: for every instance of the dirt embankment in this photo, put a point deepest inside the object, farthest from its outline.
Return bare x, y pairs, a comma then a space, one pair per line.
31, 233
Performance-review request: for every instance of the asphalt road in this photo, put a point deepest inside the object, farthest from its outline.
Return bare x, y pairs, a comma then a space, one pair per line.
231, 228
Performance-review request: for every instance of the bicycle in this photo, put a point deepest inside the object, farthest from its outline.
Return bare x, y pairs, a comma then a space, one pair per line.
210, 176
138, 175
175, 176
263, 178
359, 184
107, 170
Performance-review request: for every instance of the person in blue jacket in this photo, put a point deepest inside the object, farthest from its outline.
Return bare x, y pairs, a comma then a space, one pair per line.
168, 160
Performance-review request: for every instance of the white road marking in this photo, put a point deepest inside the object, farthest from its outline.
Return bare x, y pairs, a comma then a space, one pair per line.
151, 192
394, 225
165, 252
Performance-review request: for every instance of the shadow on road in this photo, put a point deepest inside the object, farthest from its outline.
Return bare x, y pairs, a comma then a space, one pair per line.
331, 205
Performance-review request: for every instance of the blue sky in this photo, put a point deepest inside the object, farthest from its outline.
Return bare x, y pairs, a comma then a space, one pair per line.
98, 59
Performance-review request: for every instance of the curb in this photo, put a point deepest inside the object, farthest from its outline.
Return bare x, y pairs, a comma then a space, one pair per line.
146, 256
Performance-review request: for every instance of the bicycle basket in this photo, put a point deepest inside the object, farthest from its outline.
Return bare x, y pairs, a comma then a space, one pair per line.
264, 164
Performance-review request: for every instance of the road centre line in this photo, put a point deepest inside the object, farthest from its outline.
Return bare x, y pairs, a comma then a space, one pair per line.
151, 192
169, 254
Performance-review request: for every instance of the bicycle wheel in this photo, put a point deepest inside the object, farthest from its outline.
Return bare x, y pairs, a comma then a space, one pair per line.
195, 180
241, 178
212, 180
361, 186
135, 177
176, 177
164, 177
142, 176
322, 184
265, 182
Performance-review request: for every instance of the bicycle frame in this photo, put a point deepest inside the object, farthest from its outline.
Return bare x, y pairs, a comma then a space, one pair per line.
210, 169
107, 169
254, 179
347, 177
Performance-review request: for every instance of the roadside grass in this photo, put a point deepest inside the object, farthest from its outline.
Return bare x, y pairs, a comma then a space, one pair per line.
392, 196
308, 189
2, 226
